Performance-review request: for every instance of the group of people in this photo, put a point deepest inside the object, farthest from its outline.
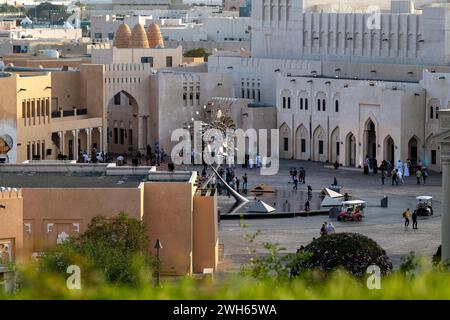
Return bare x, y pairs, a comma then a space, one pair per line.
5, 254
401, 171
231, 179
327, 228
297, 176
407, 215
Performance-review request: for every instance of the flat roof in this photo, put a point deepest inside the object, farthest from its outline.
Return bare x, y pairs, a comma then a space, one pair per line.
68, 180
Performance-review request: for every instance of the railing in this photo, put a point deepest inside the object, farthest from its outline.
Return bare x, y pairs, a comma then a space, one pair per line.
69, 113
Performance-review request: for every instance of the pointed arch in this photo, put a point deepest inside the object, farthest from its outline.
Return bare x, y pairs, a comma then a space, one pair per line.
350, 150
389, 149
302, 143
285, 142
319, 144
335, 145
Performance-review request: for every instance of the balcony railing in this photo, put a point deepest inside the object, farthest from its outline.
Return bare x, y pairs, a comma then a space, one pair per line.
69, 113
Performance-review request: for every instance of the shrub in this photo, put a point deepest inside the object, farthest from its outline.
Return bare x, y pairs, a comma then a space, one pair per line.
351, 251
116, 249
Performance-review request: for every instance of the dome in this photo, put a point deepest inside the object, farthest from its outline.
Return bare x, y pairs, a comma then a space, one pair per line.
123, 36
138, 37
154, 36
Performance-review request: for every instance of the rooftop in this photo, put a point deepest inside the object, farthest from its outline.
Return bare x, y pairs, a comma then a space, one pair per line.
68, 180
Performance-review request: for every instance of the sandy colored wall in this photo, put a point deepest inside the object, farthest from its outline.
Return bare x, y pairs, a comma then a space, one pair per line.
11, 220
168, 217
206, 240
70, 210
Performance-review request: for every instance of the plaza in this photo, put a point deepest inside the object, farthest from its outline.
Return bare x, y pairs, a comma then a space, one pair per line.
384, 225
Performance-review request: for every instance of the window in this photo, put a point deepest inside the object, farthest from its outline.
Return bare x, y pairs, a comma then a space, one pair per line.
122, 134
197, 96
336, 106
301, 103
184, 96
437, 112
318, 104
28, 152
111, 36
320, 146
259, 95
130, 137
306, 103
324, 106
116, 135
338, 149
284, 102
303, 145
147, 60
243, 93
168, 61
433, 156
431, 112
98, 35
117, 99
289, 102
286, 144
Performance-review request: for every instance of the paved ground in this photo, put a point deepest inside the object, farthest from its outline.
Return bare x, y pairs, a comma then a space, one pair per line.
384, 225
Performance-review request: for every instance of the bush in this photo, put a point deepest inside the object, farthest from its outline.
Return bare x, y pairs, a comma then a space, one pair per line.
351, 251
115, 249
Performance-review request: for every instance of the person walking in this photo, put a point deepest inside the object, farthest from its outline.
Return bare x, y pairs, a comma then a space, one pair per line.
244, 181
383, 175
323, 229
424, 175
394, 177
330, 228
237, 182
414, 219
406, 215
418, 175
295, 183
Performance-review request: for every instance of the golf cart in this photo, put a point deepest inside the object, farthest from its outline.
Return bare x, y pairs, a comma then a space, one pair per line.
424, 206
352, 210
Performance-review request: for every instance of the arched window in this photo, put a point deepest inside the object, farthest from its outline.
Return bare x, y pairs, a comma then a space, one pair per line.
318, 104
284, 102
323, 105
301, 103
306, 103
431, 112
336, 106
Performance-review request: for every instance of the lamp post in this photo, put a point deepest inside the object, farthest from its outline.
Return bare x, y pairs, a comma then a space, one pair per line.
158, 246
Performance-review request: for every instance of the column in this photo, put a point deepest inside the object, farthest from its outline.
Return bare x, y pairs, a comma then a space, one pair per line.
75, 144
100, 139
61, 142
445, 158
140, 133
89, 140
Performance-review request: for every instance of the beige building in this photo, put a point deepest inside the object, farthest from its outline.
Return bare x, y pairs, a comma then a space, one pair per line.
182, 217
46, 112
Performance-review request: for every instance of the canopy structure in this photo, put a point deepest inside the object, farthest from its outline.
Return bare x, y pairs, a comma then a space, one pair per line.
353, 202
424, 198
330, 202
263, 187
260, 207
331, 193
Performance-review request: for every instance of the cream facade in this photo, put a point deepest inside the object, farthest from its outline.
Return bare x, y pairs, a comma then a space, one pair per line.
46, 114
343, 89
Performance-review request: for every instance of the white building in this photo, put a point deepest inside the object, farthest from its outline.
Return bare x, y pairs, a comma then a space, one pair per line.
346, 87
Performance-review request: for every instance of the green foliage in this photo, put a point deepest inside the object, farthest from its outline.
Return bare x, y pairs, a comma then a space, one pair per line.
6, 8
352, 252
48, 11
197, 53
115, 249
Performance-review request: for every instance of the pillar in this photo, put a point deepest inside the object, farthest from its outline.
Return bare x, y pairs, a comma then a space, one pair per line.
89, 140
141, 133
62, 142
75, 144
100, 139
445, 227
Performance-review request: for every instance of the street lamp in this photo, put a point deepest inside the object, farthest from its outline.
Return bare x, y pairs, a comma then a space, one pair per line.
158, 246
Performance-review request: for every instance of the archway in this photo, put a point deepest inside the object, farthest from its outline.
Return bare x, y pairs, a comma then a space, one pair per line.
413, 149
335, 145
370, 139
350, 150
302, 143
123, 131
285, 142
319, 152
389, 149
